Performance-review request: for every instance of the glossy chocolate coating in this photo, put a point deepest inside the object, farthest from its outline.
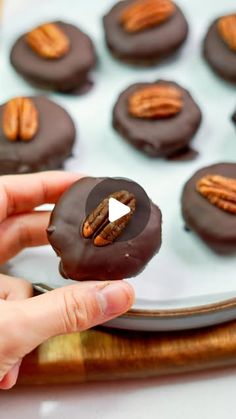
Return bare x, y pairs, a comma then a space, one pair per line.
218, 55
80, 259
148, 46
51, 145
216, 227
157, 137
63, 74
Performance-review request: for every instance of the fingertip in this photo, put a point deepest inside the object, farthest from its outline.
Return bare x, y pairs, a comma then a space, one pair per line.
116, 298
10, 378
130, 291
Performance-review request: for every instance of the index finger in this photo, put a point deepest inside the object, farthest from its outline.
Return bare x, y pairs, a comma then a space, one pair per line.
21, 193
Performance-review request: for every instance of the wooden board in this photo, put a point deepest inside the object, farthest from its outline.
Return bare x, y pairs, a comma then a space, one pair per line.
103, 354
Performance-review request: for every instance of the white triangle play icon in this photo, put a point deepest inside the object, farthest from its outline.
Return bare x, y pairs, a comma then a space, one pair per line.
116, 210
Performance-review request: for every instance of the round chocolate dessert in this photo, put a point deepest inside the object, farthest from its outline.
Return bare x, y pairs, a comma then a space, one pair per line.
56, 56
144, 31
209, 206
220, 47
158, 118
35, 134
92, 241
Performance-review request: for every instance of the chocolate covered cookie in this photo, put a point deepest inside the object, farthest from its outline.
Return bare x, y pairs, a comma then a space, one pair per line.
145, 31
209, 206
160, 118
35, 134
220, 47
93, 244
56, 56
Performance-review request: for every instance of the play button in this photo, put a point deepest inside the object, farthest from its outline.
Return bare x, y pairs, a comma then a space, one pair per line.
106, 188
116, 210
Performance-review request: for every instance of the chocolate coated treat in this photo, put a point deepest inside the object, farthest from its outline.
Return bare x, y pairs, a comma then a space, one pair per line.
219, 56
163, 137
126, 256
64, 74
234, 117
148, 46
48, 149
215, 226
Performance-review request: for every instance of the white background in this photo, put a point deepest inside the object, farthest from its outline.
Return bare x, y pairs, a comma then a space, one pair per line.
198, 395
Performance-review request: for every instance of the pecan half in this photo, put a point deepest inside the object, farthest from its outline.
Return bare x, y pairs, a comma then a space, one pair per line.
97, 225
144, 14
227, 30
155, 101
219, 190
48, 41
20, 119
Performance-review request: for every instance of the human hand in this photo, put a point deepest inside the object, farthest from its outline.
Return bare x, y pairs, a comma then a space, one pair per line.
27, 322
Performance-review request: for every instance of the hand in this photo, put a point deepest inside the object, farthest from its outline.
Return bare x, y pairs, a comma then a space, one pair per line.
27, 322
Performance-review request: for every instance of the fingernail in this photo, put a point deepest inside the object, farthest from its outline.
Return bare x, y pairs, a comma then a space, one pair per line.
116, 298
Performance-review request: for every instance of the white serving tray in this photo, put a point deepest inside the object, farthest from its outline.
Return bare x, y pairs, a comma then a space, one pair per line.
185, 285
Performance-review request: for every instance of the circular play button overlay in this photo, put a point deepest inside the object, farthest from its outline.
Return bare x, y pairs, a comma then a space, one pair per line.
122, 202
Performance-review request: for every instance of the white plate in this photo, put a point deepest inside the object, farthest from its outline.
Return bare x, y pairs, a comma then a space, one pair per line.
180, 283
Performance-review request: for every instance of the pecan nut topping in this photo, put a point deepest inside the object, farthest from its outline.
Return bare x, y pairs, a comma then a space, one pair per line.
219, 190
144, 14
20, 119
48, 41
156, 101
97, 225
227, 30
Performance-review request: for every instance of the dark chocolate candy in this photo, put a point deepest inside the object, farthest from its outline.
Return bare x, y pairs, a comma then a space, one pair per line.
148, 46
49, 148
216, 227
186, 154
126, 256
218, 55
234, 117
157, 137
64, 74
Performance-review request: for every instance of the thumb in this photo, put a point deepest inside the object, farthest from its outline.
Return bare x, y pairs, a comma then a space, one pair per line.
69, 309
